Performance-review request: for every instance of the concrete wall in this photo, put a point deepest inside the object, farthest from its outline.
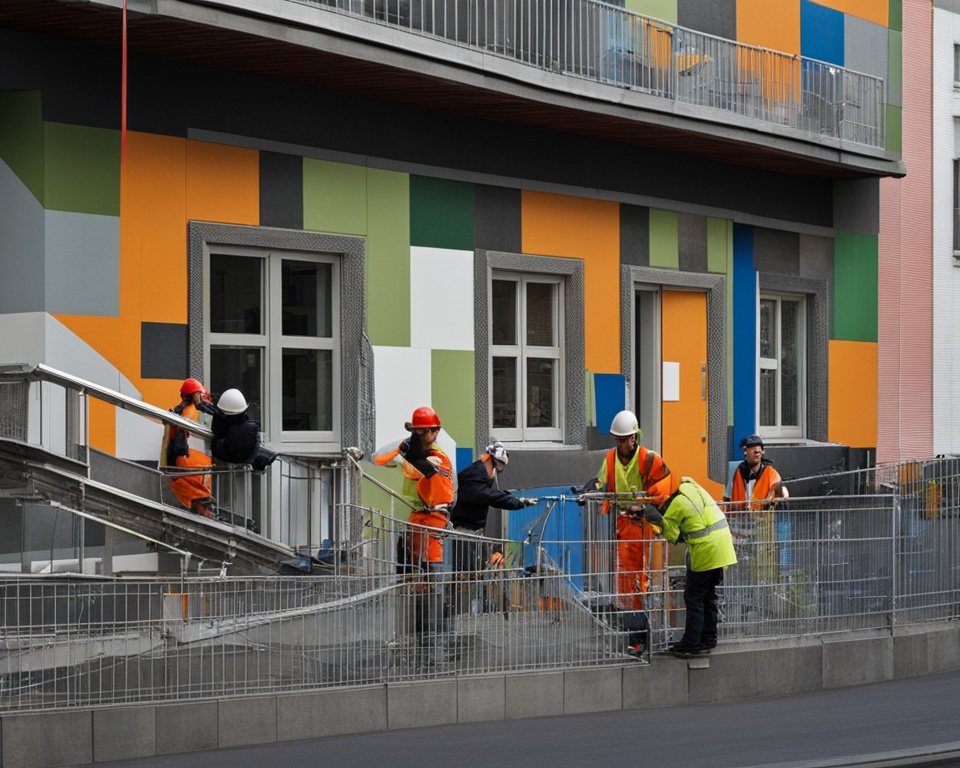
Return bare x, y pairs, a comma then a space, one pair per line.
735, 671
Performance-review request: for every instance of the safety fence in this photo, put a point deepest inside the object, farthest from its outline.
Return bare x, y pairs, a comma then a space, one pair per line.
609, 44
549, 594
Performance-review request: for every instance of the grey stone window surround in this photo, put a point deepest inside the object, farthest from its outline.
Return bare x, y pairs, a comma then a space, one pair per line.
817, 330
574, 395
358, 418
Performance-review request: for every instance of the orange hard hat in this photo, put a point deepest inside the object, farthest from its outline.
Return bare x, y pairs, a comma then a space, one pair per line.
424, 417
190, 386
663, 489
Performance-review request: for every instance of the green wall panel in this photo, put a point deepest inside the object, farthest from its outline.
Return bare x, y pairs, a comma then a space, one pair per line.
894, 142
388, 258
441, 213
664, 239
719, 245
334, 197
375, 497
454, 392
82, 172
855, 303
658, 9
895, 20
21, 138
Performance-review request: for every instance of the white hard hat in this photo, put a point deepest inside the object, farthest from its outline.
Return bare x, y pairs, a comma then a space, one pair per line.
232, 401
624, 424
498, 453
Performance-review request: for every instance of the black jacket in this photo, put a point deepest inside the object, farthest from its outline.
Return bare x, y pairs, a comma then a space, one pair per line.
475, 494
236, 438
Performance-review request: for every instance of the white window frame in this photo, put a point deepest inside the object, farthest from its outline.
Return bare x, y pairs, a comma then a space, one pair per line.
521, 352
778, 429
271, 343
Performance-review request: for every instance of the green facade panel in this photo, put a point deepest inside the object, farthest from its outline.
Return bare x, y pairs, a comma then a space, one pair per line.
856, 276
658, 9
334, 197
895, 20
21, 138
894, 142
454, 393
82, 169
388, 258
664, 239
441, 213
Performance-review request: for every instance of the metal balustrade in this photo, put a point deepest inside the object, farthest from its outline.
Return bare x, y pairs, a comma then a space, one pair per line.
611, 45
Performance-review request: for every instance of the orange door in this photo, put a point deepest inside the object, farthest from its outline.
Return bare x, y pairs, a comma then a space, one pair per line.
685, 420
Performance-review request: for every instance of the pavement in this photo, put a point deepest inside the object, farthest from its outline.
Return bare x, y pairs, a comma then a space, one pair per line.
909, 722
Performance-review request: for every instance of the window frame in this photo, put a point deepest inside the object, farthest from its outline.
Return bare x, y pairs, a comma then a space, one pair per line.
778, 429
573, 378
522, 352
272, 343
354, 419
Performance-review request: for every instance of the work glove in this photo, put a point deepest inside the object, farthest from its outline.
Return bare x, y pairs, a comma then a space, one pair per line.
530, 502
652, 514
412, 449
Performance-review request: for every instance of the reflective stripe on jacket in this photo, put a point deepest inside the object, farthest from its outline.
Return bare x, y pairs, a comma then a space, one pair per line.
645, 469
692, 513
765, 481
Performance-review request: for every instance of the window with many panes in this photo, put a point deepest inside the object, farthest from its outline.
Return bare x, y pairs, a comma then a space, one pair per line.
782, 365
526, 356
273, 330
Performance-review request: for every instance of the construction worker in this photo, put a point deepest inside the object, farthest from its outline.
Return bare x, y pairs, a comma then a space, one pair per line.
755, 480
753, 492
692, 516
429, 487
633, 471
192, 490
477, 491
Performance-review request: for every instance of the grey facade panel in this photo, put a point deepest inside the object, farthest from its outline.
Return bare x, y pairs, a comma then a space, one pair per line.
163, 351
692, 231
82, 271
865, 46
497, 215
635, 235
856, 205
22, 235
712, 17
776, 252
281, 190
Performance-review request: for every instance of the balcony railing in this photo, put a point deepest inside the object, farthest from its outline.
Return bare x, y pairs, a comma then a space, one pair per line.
611, 45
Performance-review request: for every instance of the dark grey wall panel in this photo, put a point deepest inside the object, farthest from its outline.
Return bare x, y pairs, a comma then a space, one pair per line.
856, 205
496, 223
635, 235
712, 17
171, 98
163, 351
692, 232
776, 252
281, 190
80, 83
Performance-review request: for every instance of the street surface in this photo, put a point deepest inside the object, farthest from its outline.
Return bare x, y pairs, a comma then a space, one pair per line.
899, 723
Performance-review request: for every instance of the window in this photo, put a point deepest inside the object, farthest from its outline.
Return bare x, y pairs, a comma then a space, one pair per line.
526, 357
956, 209
782, 362
274, 334
956, 65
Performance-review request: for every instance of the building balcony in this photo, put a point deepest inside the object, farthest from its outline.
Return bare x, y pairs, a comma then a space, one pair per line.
577, 66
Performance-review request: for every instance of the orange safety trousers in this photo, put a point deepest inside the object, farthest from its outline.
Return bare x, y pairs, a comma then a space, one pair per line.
423, 546
633, 541
189, 488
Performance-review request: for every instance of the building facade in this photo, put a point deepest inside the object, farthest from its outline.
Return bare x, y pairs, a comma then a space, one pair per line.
348, 211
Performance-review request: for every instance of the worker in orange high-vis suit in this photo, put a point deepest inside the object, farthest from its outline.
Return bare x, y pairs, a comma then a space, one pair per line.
192, 490
632, 471
753, 492
429, 487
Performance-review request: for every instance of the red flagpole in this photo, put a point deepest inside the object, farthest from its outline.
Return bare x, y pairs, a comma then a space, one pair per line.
123, 93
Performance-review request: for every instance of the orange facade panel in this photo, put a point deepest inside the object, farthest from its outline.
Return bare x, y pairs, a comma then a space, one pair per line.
571, 227
877, 11
769, 25
852, 410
